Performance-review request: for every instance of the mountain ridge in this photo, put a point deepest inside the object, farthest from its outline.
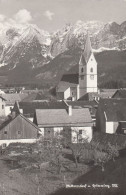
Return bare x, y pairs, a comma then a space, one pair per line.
44, 57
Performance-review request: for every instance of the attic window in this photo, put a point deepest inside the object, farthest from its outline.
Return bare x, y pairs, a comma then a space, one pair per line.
5, 132
48, 132
91, 70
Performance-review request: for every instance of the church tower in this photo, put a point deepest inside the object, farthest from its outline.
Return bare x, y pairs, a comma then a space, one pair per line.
87, 70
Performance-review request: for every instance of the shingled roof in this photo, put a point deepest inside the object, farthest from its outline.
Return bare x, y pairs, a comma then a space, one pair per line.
60, 117
115, 109
63, 86
30, 107
120, 93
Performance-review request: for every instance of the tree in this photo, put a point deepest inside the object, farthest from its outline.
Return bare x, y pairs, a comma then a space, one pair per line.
100, 158
51, 151
112, 151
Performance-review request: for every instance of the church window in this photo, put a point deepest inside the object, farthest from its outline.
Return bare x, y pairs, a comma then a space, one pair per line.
92, 77
82, 70
19, 132
91, 70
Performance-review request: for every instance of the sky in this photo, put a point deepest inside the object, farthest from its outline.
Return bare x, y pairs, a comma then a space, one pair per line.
51, 15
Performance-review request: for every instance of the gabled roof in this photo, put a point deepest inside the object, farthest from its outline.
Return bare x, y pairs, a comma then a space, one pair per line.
120, 93
7, 122
11, 98
88, 49
70, 78
82, 61
30, 107
63, 86
57, 117
92, 105
115, 109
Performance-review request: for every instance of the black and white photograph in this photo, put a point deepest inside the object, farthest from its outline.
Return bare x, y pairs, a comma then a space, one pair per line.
62, 97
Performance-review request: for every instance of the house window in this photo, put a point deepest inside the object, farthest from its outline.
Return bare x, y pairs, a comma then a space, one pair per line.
92, 77
5, 132
82, 77
48, 132
2, 106
91, 70
4, 145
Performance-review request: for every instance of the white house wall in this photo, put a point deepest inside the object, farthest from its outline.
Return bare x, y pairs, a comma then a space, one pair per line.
67, 93
8, 110
56, 130
110, 127
86, 133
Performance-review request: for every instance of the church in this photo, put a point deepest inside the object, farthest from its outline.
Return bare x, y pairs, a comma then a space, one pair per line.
82, 83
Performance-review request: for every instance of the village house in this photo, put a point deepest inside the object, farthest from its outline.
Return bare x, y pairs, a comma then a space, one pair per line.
18, 129
2, 106
77, 122
28, 108
10, 101
109, 115
120, 93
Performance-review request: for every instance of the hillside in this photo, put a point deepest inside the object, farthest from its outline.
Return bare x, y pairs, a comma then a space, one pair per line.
111, 69
114, 174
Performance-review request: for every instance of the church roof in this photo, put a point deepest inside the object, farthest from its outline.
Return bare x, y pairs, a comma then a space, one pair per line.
88, 49
82, 61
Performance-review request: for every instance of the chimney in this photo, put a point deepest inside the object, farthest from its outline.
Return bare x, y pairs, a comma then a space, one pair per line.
68, 108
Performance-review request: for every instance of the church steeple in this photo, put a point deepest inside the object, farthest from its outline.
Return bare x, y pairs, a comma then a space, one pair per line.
87, 49
87, 70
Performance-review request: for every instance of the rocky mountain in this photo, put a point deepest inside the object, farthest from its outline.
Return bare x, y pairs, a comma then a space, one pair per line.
107, 36
29, 44
28, 53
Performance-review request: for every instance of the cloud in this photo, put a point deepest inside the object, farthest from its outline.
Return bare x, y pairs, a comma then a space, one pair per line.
23, 16
49, 14
2, 18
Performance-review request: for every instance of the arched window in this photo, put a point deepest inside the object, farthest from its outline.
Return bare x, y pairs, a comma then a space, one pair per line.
91, 70
82, 70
